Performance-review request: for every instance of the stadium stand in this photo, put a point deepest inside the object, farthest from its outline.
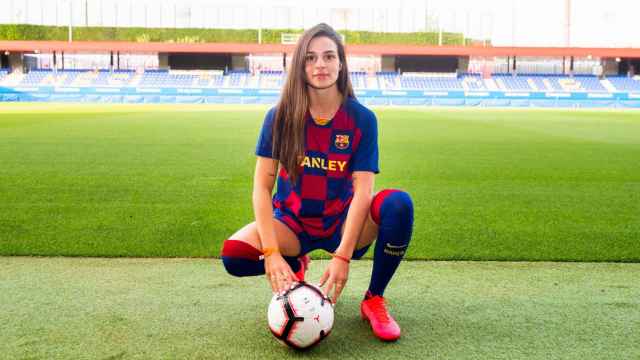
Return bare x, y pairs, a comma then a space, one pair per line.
442, 82
540, 82
117, 78
358, 80
473, 82
590, 83
388, 80
162, 78
274, 79
271, 79
70, 77
508, 82
86, 78
36, 78
238, 79
623, 83
208, 80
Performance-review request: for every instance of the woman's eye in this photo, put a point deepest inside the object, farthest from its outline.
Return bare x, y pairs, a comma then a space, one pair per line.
310, 58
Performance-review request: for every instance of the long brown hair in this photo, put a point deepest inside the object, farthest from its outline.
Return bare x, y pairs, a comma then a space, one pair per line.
288, 124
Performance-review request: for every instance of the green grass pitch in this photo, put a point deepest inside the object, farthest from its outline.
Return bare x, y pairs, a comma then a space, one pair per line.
77, 308
169, 180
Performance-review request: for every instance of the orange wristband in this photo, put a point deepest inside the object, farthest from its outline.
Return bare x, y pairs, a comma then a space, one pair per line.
343, 258
268, 251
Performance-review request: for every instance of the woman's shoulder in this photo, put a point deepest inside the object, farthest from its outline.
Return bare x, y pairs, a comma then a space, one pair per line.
360, 112
270, 114
272, 111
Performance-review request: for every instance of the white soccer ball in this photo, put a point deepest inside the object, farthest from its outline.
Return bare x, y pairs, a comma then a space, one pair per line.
301, 317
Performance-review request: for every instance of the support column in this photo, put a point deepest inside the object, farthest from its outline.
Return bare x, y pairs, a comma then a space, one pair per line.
16, 62
571, 66
163, 60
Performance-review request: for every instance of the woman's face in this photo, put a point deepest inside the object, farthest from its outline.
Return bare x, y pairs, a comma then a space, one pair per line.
322, 64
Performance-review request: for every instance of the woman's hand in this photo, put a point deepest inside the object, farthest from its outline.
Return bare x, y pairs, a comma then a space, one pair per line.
279, 273
335, 278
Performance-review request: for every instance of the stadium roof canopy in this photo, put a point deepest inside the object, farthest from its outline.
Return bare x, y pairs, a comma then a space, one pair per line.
237, 48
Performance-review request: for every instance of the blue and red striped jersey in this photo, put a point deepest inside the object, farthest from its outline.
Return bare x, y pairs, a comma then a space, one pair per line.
324, 189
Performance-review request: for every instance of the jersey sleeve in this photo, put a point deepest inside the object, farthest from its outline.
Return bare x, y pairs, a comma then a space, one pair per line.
265, 140
366, 156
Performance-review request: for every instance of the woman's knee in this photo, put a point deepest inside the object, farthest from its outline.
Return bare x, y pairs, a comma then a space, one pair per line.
391, 202
239, 258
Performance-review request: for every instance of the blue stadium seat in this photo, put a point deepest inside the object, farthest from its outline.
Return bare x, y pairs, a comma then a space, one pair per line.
274, 79
387, 80
271, 79
623, 83
237, 78
513, 83
430, 83
358, 79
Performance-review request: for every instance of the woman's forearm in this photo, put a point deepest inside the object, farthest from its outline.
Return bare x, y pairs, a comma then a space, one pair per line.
356, 216
263, 212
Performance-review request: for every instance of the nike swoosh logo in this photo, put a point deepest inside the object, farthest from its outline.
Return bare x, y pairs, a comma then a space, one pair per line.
396, 247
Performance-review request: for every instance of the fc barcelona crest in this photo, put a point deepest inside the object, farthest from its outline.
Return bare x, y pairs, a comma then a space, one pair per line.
342, 142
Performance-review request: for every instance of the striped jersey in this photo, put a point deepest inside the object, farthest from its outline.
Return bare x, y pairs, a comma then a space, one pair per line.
319, 199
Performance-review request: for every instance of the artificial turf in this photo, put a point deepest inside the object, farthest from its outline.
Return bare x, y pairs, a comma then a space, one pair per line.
175, 180
97, 308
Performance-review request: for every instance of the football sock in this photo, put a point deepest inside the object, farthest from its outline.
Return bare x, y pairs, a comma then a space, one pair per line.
242, 259
392, 210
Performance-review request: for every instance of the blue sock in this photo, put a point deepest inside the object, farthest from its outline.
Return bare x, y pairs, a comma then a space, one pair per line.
242, 259
392, 210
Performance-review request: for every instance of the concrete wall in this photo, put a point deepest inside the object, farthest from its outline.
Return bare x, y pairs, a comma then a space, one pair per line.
609, 66
388, 63
463, 64
238, 62
163, 61
15, 62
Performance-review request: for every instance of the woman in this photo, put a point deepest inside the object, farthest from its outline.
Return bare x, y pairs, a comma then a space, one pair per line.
323, 146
